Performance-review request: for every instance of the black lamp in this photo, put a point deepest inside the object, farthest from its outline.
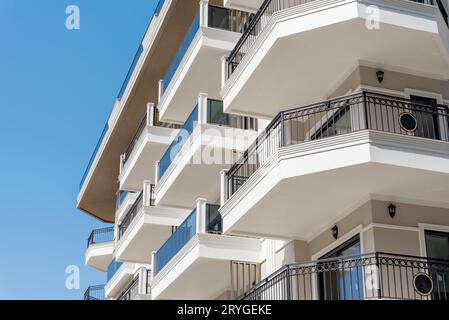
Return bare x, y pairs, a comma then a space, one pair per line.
380, 76
335, 232
392, 210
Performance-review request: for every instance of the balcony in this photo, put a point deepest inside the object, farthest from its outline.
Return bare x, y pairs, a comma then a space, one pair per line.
209, 142
196, 66
100, 247
139, 288
143, 228
120, 275
341, 150
367, 277
146, 147
280, 46
197, 253
97, 193
94, 293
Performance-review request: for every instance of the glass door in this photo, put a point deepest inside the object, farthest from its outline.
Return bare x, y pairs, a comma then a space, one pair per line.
426, 115
341, 281
437, 247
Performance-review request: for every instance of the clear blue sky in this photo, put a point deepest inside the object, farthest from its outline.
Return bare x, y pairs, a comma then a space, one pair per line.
57, 88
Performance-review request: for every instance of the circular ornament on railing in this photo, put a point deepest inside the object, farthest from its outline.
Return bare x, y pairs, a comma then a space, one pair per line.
423, 284
408, 122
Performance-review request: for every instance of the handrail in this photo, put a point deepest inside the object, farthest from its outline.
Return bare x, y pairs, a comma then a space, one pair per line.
101, 236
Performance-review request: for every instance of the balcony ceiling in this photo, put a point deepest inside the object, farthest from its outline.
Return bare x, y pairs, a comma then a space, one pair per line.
98, 199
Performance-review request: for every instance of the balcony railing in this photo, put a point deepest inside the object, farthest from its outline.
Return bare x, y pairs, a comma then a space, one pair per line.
131, 291
176, 242
370, 276
94, 293
143, 124
262, 17
101, 236
134, 210
181, 51
94, 154
218, 17
112, 268
214, 222
339, 116
216, 116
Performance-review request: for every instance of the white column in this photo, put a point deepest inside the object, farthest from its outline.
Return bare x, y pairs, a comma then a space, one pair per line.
146, 200
201, 215
160, 90
122, 161
223, 187
156, 174
150, 114
224, 71
202, 108
153, 264
204, 13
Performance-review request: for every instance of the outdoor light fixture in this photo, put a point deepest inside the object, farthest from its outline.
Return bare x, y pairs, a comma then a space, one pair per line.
380, 76
335, 232
392, 210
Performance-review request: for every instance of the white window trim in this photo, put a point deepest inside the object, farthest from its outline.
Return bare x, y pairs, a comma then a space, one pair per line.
422, 237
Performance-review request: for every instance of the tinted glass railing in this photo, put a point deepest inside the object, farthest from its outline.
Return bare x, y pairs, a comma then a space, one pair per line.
214, 222
101, 236
178, 142
112, 268
95, 293
176, 242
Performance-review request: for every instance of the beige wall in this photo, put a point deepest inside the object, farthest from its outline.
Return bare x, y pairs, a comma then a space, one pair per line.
392, 81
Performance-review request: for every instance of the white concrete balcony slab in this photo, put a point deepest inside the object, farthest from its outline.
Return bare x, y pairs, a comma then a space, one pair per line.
304, 51
203, 148
146, 147
120, 275
246, 5
192, 257
100, 248
144, 227
196, 68
333, 157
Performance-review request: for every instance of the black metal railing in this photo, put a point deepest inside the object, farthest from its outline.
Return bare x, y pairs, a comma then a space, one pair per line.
262, 17
148, 282
370, 276
101, 236
95, 293
360, 111
134, 210
131, 291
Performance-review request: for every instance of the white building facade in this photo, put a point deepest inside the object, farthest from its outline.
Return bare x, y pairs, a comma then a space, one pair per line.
277, 149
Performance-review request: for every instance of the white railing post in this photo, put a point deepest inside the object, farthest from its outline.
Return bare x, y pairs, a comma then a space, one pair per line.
122, 161
146, 193
160, 91
150, 114
156, 174
201, 215
223, 187
204, 13
202, 108
153, 264
224, 71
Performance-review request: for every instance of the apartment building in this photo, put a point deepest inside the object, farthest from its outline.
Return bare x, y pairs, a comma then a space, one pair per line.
277, 149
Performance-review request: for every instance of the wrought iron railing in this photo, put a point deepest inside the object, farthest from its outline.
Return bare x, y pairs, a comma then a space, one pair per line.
112, 268
131, 291
176, 242
364, 110
101, 236
95, 293
262, 17
134, 210
370, 276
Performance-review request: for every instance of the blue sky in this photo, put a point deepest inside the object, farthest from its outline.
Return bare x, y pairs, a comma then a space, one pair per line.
57, 89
